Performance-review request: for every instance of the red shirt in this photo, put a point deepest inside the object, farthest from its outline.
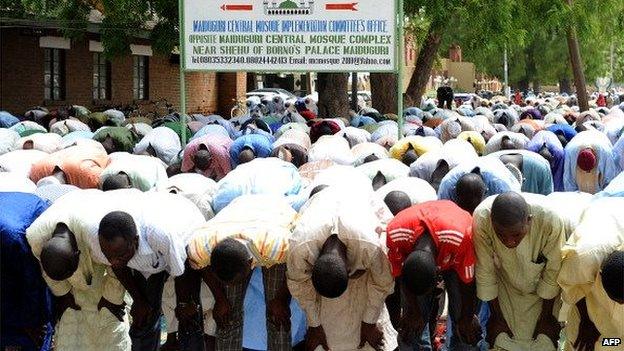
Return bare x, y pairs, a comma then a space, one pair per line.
450, 228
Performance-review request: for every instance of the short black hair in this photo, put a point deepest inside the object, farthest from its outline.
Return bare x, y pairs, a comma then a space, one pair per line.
117, 224
612, 275
246, 155
370, 158
509, 209
174, 168
228, 259
409, 157
330, 276
545, 153
419, 272
470, 190
379, 180
318, 189
58, 258
116, 181
202, 157
397, 201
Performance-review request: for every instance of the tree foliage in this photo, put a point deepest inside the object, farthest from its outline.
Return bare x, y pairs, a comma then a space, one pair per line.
121, 21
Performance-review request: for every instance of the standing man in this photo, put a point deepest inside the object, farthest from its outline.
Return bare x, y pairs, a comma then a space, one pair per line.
90, 304
339, 272
518, 241
592, 277
26, 300
227, 248
144, 244
424, 241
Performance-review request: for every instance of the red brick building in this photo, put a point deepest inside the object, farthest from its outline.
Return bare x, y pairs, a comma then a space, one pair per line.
41, 68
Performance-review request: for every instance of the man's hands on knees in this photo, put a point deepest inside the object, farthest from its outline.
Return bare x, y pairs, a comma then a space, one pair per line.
279, 312
548, 325
371, 334
496, 325
117, 310
140, 312
469, 329
221, 312
411, 325
63, 303
315, 337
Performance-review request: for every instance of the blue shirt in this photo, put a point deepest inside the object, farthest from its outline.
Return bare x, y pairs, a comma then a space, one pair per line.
7, 120
260, 144
26, 300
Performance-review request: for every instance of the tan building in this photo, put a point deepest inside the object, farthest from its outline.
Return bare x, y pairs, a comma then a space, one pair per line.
41, 68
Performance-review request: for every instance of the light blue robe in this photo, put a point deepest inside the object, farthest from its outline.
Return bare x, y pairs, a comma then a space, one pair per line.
601, 145
497, 178
537, 177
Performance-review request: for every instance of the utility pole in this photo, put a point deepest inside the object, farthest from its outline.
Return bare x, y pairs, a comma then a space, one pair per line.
611, 55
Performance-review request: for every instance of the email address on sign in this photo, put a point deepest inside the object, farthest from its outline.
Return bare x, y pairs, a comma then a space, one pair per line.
285, 60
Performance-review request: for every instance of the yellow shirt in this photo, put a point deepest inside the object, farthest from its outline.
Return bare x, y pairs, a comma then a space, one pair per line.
82, 220
600, 232
522, 277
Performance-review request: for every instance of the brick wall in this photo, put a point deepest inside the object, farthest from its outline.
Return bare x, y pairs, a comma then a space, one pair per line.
21, 79
232, 86
21, 66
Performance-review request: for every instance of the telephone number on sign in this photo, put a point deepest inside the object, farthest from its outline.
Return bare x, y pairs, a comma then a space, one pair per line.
240, 59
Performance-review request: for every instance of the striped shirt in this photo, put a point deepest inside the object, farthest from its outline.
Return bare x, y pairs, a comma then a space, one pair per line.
164, 223
263, 223
450, 228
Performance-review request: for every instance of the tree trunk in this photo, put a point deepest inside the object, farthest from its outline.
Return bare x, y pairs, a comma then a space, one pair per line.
564, 85
424, 63
536, 86
354, 91
333, 97
530, 70
577, 67
523, 85
384, 92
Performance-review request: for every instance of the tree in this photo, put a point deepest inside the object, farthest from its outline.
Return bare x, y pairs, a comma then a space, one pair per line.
333, 97
384, 92
543, 53
443, 21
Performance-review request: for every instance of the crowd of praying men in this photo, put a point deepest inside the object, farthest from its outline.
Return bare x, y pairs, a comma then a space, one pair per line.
489, 224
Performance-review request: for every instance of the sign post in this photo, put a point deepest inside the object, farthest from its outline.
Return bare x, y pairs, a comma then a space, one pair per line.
401, 65
273, 36
183, 121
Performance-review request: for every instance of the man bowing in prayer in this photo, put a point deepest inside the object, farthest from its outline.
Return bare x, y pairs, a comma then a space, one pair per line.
226, 249
518, 241
424, 241
592, 277
144, 243
90, 299
339, 272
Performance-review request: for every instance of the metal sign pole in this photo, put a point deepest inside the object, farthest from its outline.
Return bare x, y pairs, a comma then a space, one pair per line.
400, 63
183, 121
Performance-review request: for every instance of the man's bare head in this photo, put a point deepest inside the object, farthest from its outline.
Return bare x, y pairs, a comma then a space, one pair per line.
246, 155
511, 218
470, 191
397, 201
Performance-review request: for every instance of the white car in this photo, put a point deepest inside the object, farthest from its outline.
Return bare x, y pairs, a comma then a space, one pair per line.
269, 93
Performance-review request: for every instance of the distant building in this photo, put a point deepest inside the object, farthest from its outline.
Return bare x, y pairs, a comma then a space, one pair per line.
41, 68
